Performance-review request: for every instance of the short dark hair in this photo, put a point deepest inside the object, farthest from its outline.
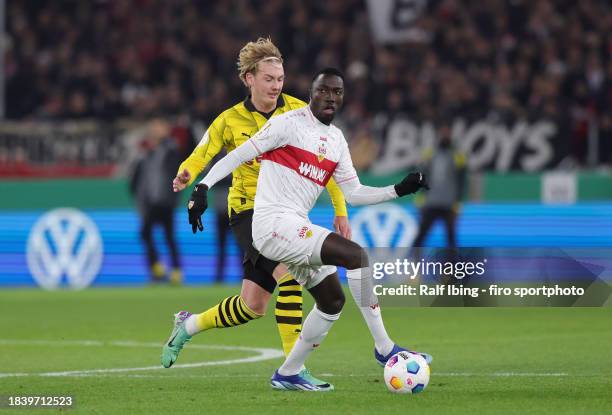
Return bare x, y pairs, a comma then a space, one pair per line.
328, 71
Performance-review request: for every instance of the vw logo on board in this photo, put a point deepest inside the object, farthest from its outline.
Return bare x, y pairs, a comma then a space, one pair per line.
64, 248
384, 225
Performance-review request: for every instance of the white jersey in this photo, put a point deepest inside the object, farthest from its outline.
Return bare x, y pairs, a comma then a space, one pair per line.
299, 155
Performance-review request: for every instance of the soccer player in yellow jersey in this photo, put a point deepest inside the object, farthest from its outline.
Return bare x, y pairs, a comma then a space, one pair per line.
261, 70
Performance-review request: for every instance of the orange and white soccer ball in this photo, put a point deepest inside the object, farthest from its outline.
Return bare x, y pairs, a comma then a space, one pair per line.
406, 373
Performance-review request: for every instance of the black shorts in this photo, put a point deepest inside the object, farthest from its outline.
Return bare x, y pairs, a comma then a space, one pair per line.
257, 268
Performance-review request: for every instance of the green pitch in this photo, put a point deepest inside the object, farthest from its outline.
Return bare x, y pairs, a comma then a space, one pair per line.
487, 361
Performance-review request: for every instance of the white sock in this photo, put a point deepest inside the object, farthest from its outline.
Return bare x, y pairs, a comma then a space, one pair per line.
362, 289
314, 330
191, 325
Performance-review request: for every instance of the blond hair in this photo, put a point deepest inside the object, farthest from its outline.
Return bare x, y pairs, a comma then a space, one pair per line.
263, 50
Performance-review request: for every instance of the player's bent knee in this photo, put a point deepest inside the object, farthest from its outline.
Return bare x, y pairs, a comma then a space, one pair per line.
356, 258
339, 303
332, 305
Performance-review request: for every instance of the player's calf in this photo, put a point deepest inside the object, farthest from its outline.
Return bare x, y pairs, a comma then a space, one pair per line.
288, 311
255, 297
230, 312
328, 295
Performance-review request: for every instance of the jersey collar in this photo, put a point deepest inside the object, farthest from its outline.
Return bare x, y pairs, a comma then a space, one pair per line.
249, 106
315, 119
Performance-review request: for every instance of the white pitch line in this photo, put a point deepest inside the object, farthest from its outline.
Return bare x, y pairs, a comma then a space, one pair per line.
324, 375
262, 354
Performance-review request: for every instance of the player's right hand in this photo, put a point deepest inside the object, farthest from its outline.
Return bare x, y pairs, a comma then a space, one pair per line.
198, 202
181, 180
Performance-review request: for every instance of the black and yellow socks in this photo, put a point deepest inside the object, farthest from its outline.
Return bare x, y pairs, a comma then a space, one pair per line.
288, 311
230, 312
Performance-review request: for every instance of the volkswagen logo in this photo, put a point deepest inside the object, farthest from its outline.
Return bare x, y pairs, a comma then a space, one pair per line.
64, 246
385, 225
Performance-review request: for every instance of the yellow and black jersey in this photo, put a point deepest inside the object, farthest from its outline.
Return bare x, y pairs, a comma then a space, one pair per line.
229, 130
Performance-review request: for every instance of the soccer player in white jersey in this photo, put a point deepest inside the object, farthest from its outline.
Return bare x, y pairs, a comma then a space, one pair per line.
300, 151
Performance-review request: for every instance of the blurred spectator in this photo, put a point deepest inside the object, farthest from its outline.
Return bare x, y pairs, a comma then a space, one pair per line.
151, 185
506, 59
444, 169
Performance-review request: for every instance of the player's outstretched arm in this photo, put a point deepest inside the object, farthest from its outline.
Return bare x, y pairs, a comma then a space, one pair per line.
358, 194
263, 141
198, 202
209, 146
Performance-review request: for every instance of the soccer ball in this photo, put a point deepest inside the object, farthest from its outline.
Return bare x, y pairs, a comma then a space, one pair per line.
406, 373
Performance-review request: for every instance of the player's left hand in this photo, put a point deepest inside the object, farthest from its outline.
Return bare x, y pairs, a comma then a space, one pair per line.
411, 184
198, 202
343, 227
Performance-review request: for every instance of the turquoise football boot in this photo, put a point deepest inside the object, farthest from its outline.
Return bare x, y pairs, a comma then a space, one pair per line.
177, 340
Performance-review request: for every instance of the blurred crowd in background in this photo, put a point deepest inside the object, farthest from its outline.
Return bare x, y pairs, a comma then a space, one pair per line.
501, 60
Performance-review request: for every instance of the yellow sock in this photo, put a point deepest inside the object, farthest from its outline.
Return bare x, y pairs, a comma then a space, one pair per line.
288, 311
230, 312
176, 276
158, 270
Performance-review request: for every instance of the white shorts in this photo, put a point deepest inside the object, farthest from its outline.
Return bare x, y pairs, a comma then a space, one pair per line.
295, 242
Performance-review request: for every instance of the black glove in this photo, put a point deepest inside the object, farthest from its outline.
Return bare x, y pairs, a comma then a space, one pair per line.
411, 183
198, 203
